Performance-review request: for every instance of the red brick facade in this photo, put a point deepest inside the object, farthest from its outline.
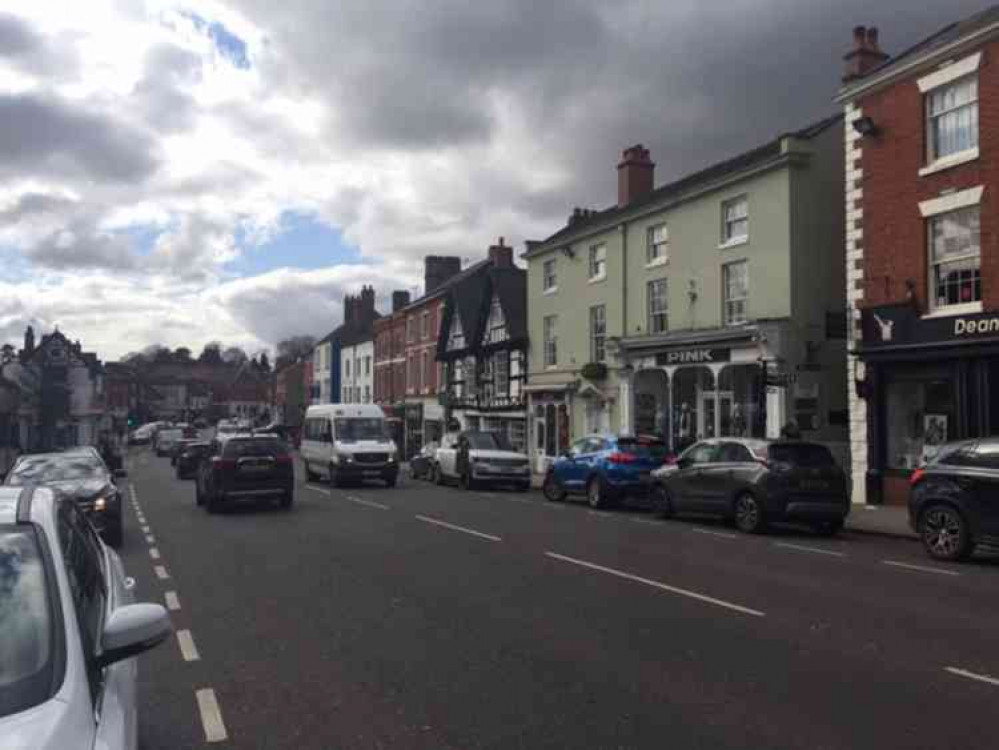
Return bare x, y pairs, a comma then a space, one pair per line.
894, 239
406, 352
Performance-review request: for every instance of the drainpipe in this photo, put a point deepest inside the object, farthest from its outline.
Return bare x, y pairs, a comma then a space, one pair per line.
624, 278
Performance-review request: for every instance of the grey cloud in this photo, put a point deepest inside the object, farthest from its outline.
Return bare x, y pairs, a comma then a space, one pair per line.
51, 137
34, 204
159, 95
16, 37
33, 52
81, 246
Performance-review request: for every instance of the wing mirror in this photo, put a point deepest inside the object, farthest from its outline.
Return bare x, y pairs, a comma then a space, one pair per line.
131, 630
684, 462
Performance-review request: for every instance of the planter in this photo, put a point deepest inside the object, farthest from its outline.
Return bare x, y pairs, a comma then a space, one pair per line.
594, 371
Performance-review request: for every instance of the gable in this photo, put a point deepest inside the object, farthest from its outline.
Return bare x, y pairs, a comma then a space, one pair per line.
495, 330
456, 336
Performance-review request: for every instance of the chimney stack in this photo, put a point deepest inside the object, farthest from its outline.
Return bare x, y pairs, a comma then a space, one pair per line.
348, 310
437, 269
400, 299
865, 56
367, 304
501, 255
634, 174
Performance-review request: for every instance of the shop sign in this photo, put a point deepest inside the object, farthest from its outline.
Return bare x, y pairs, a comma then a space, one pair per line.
893, 325
693, 357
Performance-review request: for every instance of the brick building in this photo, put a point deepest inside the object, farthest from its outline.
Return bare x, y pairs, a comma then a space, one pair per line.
922, 173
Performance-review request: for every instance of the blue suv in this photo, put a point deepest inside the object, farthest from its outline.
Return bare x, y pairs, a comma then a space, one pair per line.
605, 468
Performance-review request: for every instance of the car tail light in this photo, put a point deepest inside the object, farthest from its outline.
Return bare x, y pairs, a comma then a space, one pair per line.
621, 458
223, 463
763, 462
285, 459
917, 476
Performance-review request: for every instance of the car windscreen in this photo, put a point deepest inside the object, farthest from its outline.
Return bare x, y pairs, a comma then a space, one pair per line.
27, 652
643, 448
353, 429
239, 447
804, 455
490, 441
56, 468
171, 435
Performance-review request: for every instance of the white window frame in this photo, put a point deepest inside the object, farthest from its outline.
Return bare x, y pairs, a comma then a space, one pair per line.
664, 312
955, 308
934, 160
728, 238
549, 276
657, 253
598, 339
727, 319
598, 262
456, 339
496, 324
549, 328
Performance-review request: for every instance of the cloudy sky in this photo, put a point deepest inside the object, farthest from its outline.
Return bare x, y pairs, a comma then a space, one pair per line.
176, 172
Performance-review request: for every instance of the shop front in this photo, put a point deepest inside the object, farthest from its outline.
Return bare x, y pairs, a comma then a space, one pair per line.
927, 381
549, 422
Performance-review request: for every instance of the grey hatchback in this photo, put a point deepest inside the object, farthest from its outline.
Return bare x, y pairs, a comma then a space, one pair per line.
755, 482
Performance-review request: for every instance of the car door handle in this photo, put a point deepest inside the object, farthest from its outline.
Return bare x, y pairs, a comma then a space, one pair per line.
129, 583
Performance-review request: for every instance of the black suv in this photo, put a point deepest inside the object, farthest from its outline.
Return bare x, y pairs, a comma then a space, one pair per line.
246, 467
954, 499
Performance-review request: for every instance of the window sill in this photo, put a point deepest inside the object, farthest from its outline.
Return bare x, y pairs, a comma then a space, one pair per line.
657, 263
951, 310
734, 243
596, 279
962, 157
550, 290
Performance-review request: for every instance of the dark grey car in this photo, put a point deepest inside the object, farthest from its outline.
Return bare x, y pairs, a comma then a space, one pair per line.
755, 482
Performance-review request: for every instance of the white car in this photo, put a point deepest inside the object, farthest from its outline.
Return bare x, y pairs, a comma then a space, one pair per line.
69, 630
472, 458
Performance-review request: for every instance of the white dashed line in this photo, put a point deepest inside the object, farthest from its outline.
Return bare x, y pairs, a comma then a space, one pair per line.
601, 513
161, 572
972, 676
518, 500
145, 529
719, 534
187, 648
923, 568
646, 521
656, 584
154, 553
463, 529
816, 550
172, 602
150, 539
316, 488
369, 503
211, 716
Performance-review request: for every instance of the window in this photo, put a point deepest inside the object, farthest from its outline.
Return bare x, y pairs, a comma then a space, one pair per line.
346, 364
955, 257
471, 377
549, 281
598, 333
952, 118
367, 394
367, 365
425, 322
496, 327
501, 374
428, 375
411, 372
657, 248
658, 306
457, 338
731, 453
702, 453
411, 329
550, 335
735, 220
736, 292
598, 262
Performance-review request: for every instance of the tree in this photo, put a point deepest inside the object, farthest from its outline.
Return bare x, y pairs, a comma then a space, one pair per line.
234, 356
265, 363
292, 349
211, 354
182, 354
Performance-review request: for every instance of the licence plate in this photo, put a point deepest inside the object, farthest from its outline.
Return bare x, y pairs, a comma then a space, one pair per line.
372, 473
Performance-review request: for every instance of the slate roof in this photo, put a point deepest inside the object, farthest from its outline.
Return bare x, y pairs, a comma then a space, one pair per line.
746, 160
471, 298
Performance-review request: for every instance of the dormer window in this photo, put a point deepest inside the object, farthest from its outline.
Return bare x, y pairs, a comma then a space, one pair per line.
456, 340
496, 326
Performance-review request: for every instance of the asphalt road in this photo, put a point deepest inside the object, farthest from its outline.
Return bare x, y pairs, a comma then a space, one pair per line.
426, 617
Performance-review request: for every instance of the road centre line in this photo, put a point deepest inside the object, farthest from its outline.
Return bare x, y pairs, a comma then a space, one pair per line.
646, 521
211, 716
602, 513
145, 529
972, 676
369, 503
172, 601
656, 584
317, 488
187, 648
454, 527
150, 539
154, 553
815, 550
709, 532
923, 568
161, 572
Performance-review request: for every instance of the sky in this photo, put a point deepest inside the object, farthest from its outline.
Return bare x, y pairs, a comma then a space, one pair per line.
179, 172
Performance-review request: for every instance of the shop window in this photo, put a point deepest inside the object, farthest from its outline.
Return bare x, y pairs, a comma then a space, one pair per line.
652, 403
739, 402
694, 406
920, 417
955, 257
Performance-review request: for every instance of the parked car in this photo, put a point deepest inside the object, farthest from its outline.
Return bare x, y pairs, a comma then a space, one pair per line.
606, 469
81, 476
954, 499
422, 465
70, 630
474, 458
177, 447
348, 442
189, 458
165, 440
243, 468
755, 482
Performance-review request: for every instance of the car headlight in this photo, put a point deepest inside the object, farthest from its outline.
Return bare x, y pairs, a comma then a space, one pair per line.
347, 458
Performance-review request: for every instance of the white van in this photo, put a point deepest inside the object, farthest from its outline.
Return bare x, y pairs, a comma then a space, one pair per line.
348, 441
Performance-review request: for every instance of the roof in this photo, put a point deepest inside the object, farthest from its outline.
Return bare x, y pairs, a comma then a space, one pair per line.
444, 287
760, 155
950, 33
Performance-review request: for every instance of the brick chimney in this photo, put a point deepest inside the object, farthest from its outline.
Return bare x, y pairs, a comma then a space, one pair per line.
865, 56
399, 300
349, 306
501, 255
634, 174
366, 305
437, 269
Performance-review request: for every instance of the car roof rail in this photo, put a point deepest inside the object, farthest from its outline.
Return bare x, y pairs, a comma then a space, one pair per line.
23, 514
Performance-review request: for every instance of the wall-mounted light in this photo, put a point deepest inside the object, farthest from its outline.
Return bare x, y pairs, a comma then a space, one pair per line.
568, 252
865, 126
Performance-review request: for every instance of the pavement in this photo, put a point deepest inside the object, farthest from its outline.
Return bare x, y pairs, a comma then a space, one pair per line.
428, 617
887, 520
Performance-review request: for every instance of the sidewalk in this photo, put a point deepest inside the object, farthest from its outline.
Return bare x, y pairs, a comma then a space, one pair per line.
887, 520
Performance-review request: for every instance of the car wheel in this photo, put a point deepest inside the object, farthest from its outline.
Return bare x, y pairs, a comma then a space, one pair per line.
551, 489
467, 482
335, 480
214, 503
310, 475
438, 475
595, 494
945, 533
662, 504
523, 487
199, 499
413, 473
114, 534
287, 500
390, 482
828, 528
748, 513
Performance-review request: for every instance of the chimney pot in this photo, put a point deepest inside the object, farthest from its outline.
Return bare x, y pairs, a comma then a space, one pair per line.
865, 56
859, 36
501, 255
635, 174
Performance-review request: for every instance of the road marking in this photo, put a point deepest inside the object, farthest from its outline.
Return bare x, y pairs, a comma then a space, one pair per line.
646, 521
369, 503
172, 602
161, 572
211, 716
145, 529
187, 648
803, 548
150, 539
154, 553
658, 585
603, 513
454, 527
487, 494
709, 532
555, 506
518, 500
972, 676
316, 488
923, 568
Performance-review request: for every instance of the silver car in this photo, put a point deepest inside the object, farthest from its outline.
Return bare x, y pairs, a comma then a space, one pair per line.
69, 629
